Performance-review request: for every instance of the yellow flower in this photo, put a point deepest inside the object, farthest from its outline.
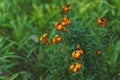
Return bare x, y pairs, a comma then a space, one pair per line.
75, 67
79, 51
44, 39
75, 55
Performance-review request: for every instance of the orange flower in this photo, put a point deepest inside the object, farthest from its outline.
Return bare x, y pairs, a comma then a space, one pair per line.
59, 39
76, 54
56, 39
101, 21
63, 23
66, 21
44, 36
78, 65
66, 8
43, 39
99, 52
75, 67
79, 51
58, 26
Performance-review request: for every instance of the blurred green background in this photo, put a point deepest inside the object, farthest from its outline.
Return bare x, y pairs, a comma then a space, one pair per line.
22, 22
33, 16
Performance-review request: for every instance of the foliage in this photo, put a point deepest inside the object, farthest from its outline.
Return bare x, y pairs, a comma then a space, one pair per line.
23, 57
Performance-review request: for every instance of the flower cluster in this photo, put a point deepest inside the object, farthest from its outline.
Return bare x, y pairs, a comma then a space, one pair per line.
60, 25
65, 20
55, 39
76, 54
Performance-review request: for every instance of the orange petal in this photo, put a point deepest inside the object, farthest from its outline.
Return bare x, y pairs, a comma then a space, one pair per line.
75, 69
72, 66
59, 27
45, 35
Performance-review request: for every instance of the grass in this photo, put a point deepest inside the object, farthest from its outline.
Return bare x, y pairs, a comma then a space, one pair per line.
23, 57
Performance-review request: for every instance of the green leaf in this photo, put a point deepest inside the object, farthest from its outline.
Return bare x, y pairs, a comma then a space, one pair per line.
116, 52
14, 76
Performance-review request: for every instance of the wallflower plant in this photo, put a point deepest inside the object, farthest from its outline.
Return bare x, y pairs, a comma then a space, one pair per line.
77, 50
51, 40
76, 54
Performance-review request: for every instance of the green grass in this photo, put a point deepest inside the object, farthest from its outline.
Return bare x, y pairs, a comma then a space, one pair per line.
23, 57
